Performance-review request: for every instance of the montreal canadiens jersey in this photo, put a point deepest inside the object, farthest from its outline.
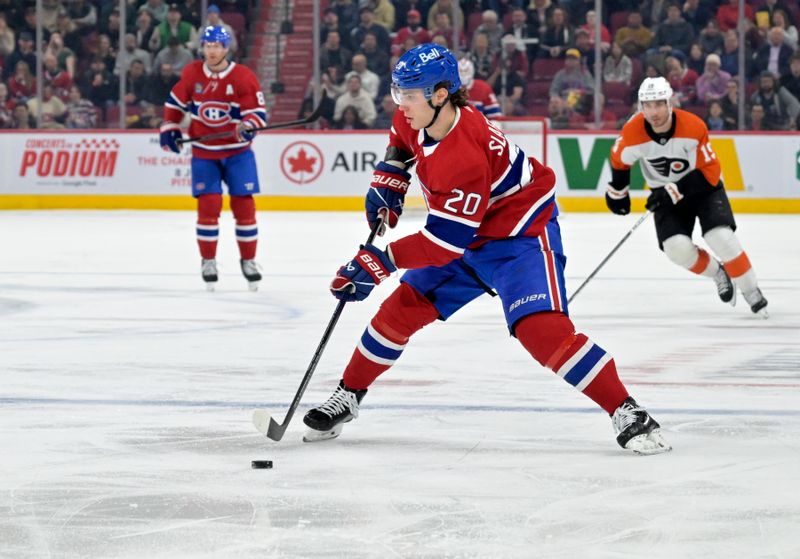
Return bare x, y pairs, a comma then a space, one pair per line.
216, 103
483, 98
478, 186
669, 159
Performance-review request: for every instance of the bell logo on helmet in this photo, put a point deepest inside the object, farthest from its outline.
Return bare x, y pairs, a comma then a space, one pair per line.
425, 57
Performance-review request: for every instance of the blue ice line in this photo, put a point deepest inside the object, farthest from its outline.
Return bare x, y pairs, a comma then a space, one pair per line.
281, 406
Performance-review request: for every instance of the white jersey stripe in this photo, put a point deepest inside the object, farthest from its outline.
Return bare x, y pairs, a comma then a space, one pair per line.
539, 203
382, 340
457, 219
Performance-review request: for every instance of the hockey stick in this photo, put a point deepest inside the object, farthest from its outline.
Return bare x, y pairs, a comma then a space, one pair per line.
261, 419
610, 254
299, 122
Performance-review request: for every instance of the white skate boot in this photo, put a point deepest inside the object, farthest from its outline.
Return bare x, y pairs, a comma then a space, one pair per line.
636, 430
208, 269
725, 288
251, 272
326, 421
757, 302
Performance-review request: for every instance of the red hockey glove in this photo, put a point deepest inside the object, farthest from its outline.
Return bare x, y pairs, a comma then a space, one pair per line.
387, 191
355, 280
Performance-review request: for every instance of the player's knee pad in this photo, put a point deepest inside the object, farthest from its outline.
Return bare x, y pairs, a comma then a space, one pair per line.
404, 312
244, 209
209, 207
723, 241
544, 335
681, 250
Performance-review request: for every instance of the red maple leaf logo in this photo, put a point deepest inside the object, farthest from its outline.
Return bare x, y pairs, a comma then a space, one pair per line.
302, 163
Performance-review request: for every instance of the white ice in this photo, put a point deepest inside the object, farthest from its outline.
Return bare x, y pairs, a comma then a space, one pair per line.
126, 391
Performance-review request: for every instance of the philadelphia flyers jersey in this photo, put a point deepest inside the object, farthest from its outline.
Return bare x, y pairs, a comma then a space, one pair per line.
478, 186
671, 157
216, 103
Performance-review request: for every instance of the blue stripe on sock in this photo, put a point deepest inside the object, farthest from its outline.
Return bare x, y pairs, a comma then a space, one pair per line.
376, 348
246, 232
208, 232
582, 367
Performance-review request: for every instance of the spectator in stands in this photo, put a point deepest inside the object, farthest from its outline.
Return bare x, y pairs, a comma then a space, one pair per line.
634, 38
369, 81
765, 11
791, 80
24, 53
135, 83
652, 71
573, 82
414, 30
332, 53
101, 86
696, 59
174, 54
82, 14
713, 84
490, 24
105, 51
674, 33
522, 30
584, 45
607, 118
697, 13
589, 27
558, 36
22, 83
682, 79
110, 26
54, 76
28, 24
7, 37
377, 59
715, 119
6, 107
405, 6
22, 119
70, 38
148, 118
156, 8
773, 55
52, 109
355, 96
540, 12
558, 113
330, 22
729, 58
730, 105
514, 56
481, 57
191, 13
447, 7
347, 12
780, 107
161, 83
780, 19
386, 114
173, 26
366, 25
384, 13
509, 87
756, 120
711, 39
728, 14
349, 120
144, 30
618, 66
214, 18
64, 56
444, 28
130, 52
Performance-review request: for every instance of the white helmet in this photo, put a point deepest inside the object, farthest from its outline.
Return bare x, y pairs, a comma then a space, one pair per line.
466, 71
655, 89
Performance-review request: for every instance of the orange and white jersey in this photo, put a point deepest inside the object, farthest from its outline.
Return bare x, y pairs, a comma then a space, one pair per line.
669, 157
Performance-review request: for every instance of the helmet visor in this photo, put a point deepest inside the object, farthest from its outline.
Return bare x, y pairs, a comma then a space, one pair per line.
407, 96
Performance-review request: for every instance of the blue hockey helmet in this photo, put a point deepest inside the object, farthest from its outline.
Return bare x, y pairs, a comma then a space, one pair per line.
425, 66
216, 34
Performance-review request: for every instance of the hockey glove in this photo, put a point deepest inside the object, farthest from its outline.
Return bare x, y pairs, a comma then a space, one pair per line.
245, 132
618, 201
387, 191
169, 134
355, 280
663, 197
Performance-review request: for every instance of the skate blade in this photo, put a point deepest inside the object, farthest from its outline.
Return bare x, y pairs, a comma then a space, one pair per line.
252, 286
648, 444
211, 286
314, 436
763, 313
732, 302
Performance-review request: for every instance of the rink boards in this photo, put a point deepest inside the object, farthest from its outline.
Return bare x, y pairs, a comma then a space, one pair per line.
326, 170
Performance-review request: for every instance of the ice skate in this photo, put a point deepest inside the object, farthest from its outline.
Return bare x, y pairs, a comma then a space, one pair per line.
326, 421
725, 288
757, 302
208, 269
251, 272
636, 430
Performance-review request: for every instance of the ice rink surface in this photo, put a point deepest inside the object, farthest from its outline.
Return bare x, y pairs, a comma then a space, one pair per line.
127, 390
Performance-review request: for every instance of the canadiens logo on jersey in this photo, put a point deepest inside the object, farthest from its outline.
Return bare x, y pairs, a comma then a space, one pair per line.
214, 113
667, 165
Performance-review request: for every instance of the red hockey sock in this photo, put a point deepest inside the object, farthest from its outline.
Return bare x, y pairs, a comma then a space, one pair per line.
551, 339
404, 312
244, 210
209, 207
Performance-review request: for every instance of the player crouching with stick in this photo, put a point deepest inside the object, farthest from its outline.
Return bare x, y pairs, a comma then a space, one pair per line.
491, 225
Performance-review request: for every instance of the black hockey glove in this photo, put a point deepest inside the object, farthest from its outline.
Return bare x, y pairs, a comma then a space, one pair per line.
618, 201
663, 197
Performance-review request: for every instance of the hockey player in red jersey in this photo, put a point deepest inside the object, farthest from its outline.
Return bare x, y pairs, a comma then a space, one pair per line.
683, 172
479, 93
220, 96
492, 226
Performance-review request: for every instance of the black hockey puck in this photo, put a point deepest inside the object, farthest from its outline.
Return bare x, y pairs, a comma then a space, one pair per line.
261, 464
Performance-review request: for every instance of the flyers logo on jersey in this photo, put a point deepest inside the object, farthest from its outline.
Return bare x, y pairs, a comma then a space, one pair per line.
214, 113
667, 165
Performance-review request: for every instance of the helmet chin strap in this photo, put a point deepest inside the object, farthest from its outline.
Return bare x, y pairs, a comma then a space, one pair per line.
436, 111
